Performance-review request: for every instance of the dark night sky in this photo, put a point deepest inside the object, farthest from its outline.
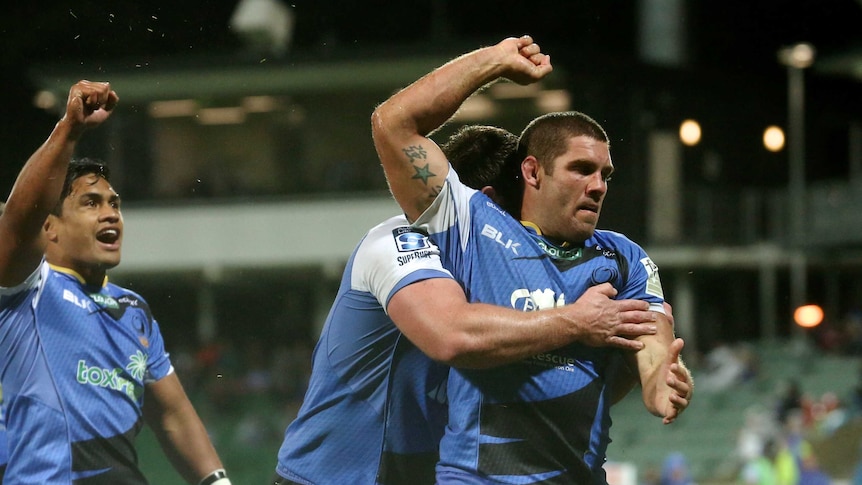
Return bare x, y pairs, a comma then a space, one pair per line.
732, 36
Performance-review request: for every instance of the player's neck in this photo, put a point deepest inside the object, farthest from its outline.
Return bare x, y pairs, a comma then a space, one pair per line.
534, 228
89, 278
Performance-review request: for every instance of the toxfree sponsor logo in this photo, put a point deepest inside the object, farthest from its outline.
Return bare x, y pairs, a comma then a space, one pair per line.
112, 378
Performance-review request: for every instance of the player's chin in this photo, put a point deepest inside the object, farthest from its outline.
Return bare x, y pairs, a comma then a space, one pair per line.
582, 230
110, 260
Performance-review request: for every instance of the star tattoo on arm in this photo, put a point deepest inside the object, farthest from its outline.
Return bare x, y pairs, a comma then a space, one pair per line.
423, 173
416, 153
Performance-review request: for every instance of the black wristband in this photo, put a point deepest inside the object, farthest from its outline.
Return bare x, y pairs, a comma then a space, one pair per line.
213, 477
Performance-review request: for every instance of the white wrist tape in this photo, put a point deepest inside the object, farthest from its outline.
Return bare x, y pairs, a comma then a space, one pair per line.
217, 477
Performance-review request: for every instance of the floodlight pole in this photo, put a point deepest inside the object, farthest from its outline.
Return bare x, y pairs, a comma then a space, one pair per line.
797, 58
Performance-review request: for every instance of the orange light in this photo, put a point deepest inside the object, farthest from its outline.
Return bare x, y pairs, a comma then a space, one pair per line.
773, 139
689, 132
808, 316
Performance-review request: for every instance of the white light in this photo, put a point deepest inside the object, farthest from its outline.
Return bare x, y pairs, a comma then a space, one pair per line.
265, 25
554, 100
477, 108
799, 55
689, 132
221, 116
773, 138
259, 104
173, 108
45, 100
509, 90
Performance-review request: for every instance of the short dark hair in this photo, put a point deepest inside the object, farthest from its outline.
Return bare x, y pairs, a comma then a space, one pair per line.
480, 154
546, 136
77, 169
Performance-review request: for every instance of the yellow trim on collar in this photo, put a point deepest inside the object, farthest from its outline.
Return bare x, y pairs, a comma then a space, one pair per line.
74, 273
529, 224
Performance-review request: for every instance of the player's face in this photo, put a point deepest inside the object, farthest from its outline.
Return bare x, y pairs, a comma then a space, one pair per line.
88, 236
572, 194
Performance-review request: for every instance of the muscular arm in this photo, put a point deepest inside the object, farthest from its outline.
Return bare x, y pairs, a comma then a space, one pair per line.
179, 430
665, 381
39, 183
436, 316
414, 165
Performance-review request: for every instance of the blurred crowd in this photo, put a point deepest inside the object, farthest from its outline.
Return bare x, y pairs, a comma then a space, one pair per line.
256, 385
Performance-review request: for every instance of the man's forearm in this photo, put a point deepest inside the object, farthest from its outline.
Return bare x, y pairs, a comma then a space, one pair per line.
429, 102
449, 329
415, 167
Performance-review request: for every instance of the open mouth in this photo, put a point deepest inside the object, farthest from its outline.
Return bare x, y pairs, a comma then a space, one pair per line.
108, 236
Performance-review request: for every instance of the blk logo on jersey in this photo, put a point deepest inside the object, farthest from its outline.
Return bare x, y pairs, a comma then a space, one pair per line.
71, 297
407, 239
491, 232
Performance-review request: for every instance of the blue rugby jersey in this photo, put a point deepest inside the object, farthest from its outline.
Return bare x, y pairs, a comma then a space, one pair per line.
4, 449
375, 407
74, 360
545, 419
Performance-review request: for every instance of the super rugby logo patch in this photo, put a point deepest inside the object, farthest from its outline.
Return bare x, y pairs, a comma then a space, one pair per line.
407, 239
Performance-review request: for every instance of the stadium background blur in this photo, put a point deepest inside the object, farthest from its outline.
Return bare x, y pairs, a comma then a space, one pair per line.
243, 154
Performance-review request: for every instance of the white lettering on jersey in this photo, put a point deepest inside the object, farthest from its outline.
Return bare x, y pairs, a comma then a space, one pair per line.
492, 232
69, 296
526, 300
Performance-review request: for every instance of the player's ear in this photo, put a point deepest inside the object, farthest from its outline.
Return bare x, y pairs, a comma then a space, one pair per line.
49, 228
530, 171
491, 193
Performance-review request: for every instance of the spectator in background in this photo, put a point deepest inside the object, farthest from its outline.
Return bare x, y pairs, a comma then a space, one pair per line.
761, 469
723, 367
675, 470
810, 472
853, 330
828, 414
759, 428
790, 400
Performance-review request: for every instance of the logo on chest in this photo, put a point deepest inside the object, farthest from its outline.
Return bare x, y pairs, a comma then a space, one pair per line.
528, 301
113, 378
493, 233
